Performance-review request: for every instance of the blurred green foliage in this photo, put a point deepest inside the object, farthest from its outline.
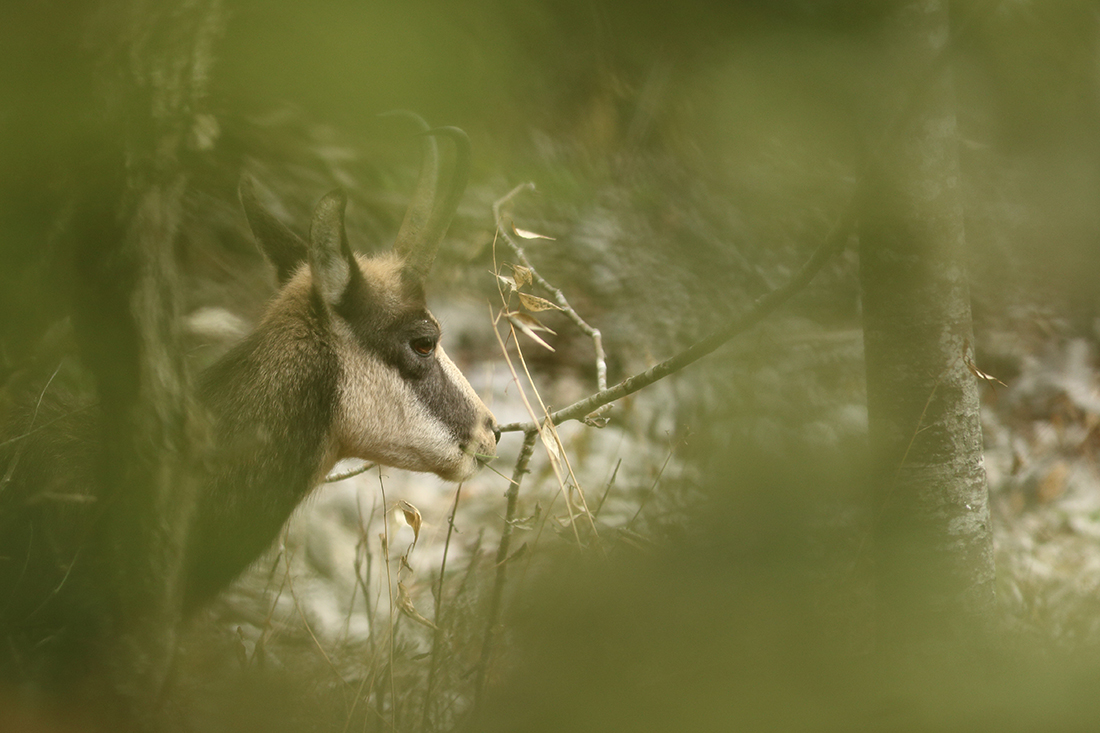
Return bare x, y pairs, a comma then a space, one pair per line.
719, 140
761, 110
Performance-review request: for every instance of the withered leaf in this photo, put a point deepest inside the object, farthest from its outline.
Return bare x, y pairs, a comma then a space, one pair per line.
412, 517
528, 324
521, 274
982, 375
528, 235
405, 605
535, 304
973, 368
596, 421
509, 282
516, 555
528, 523
529, 321
549, 439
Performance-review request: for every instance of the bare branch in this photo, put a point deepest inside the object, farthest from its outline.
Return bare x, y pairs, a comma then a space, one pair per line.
437, 635
763, 307
334, 477
559, 297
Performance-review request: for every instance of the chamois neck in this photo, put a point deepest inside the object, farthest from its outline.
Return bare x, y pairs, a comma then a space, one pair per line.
272, 401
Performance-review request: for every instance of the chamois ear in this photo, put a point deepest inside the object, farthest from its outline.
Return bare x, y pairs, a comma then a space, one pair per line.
286, 250
330, 257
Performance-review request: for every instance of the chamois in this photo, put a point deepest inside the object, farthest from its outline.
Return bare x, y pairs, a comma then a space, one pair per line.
345, 363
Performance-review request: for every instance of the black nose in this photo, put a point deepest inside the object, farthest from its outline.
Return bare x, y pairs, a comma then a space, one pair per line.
496, 432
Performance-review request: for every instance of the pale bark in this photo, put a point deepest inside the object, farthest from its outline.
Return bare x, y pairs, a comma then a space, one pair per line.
934, 554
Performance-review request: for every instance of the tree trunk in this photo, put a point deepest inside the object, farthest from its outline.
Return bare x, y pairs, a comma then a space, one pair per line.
934, 554
106, 183
150, 422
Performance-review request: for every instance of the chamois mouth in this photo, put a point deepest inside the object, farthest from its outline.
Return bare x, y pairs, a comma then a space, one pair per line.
461, 468
480, 459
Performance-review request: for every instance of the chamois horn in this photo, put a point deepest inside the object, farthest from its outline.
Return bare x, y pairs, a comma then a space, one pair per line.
432, 207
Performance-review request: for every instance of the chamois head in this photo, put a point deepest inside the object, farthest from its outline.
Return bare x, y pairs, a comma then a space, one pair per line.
399, 399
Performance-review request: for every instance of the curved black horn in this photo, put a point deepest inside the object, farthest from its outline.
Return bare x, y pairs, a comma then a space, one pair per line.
423, 199
421, 253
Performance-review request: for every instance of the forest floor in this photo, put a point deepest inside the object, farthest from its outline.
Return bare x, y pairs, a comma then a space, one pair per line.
1042, 434
321, 600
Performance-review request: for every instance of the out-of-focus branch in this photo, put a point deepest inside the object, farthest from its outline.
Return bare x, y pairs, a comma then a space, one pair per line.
512, 496
334, 477
437, 634
763, 307
559, 297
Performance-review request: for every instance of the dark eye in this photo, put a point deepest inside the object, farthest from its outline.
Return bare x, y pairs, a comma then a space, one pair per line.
423, 346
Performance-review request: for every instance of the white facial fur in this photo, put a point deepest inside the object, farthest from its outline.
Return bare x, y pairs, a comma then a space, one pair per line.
381, 418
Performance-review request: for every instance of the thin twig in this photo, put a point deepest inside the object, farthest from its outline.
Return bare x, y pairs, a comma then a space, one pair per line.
362, 547
589, 330
389, 587
437, 635
301, 614
763, 307
43, 426
557, 448
652, 490
19, 449
610, 483
334, 477
549, 442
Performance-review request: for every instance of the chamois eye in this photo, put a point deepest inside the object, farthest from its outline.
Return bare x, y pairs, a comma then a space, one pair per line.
423, 346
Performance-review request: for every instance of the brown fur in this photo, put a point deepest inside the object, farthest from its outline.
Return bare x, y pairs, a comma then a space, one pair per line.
345, 363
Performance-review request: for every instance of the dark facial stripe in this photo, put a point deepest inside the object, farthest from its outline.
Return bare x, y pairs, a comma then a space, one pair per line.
387, 334
447, 401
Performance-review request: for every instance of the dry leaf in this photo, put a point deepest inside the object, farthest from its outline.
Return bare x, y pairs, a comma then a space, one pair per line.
521, 274
405, 605
550, 440
507, 281
596, 421
515, 555
529, 321
535, 304
412, 517
528, 523
982, 375
978, 373
528, 235
529, 324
